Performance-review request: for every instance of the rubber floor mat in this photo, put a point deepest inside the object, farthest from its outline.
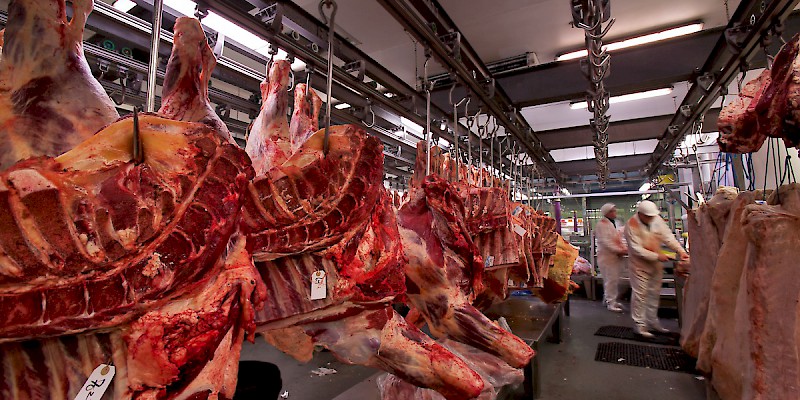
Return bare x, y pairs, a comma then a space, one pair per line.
636, 355
624, 332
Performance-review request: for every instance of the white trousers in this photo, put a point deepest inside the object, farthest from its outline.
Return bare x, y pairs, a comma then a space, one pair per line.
611, 267
646, 284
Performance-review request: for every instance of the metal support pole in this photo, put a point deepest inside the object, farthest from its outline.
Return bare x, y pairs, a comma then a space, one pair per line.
155, 40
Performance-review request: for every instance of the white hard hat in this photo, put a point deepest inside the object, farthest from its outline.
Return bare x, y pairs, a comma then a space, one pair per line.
606, 208
648, 208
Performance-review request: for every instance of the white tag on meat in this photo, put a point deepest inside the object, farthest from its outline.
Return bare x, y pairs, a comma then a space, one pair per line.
516, 211
488, 262
97, 383
319, 285
519, 230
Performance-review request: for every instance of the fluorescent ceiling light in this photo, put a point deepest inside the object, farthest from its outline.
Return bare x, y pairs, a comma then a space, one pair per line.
443, 143
639, 40
342, 106
231, 30
412, 127
645, 187
124, 5
627, 97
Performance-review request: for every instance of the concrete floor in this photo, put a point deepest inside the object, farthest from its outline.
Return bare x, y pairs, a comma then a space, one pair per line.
568, 369
570, 372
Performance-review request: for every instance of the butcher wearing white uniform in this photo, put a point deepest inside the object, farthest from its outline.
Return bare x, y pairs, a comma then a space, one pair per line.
645, 233
610, 253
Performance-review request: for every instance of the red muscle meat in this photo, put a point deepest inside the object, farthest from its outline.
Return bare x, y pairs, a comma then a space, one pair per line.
185, 92
49, 101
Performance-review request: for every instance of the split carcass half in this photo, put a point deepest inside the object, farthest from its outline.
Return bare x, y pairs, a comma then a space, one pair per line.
107, 261
49, 100
444, 272
185, 91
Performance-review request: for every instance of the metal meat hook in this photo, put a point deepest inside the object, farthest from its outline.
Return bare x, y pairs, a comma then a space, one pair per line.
330, 21
138, 150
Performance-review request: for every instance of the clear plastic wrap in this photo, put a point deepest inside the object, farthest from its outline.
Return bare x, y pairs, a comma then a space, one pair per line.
495, 372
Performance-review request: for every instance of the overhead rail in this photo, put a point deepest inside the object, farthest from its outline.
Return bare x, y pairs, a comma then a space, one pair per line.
357, 70
753, 22
428, 22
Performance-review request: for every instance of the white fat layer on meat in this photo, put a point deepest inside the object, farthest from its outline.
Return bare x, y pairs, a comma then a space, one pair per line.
9, 267
127, 237
153, 266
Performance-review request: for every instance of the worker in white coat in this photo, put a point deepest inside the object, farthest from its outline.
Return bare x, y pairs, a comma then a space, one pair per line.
645, 233
610, 253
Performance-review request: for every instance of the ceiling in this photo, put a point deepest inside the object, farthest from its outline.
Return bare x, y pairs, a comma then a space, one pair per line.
506, 28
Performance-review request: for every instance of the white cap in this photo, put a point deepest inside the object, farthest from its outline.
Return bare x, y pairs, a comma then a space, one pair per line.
648, 208
606, 208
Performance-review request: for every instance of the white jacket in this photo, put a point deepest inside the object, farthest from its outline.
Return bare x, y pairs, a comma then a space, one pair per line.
609, 240
644, 243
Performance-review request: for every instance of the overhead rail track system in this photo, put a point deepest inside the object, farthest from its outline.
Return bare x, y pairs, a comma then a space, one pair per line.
753, 23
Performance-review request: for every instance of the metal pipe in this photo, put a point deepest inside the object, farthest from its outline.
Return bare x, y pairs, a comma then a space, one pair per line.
428, 117
155, 41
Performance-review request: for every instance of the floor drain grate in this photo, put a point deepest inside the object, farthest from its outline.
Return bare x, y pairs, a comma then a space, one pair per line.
624, 332
663, 358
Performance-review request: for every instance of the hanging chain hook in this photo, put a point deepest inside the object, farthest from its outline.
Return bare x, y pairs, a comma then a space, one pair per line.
330, 21
370, 112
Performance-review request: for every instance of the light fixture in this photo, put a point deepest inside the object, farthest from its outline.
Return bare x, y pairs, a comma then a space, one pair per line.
341, 106
231, 30
639, 40
443, 126
627, 97
412, 127
645, 187
566, 192
124, 5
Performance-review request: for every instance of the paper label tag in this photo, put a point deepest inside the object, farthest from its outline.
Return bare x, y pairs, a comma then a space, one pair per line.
516, 211
519, 230
510, 283
761, 202
319, 285
488, 261
97, 383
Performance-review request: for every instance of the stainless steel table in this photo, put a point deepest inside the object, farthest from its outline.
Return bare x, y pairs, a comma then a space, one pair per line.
531, 320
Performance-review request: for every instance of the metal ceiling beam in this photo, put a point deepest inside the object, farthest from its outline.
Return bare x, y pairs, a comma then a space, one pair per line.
619, 131
722, 66
273, 15
426, 20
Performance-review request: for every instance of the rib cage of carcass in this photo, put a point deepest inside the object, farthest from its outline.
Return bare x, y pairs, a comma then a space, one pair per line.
107, 261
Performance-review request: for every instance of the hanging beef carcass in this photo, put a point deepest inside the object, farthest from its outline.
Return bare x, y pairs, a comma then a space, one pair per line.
318, 213
121, 262
706, 227
775, 104
770, 301
444, 272
49, 101
738, 121
185, 92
